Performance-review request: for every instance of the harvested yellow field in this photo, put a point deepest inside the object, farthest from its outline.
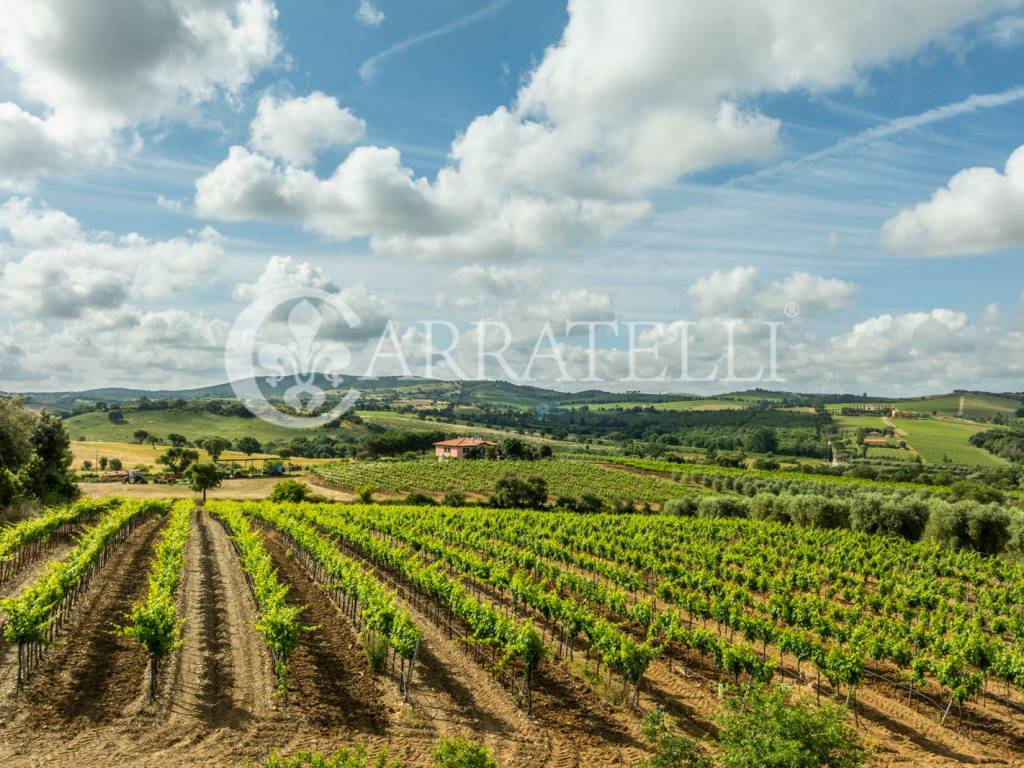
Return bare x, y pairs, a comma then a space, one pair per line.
133, 455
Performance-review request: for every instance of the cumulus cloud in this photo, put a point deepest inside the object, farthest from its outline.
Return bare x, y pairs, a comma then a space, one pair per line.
979, 211
56, 269
100, 67
497, 280
918, 351
34, 226
368, 14
28, 147
284, 273
296, 130
634, 96
743, 293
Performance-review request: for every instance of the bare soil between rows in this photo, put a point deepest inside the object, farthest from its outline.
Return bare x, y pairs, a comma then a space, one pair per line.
86, 706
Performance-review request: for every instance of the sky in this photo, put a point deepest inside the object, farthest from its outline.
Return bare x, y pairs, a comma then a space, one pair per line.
851, 171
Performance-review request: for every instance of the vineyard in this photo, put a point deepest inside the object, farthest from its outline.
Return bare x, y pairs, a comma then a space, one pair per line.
563, 477
255, 626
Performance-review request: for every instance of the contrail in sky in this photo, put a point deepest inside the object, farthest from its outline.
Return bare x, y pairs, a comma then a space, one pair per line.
972, 103
369, 67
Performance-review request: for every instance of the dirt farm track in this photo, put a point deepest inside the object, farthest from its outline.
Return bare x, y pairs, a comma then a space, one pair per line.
86, 705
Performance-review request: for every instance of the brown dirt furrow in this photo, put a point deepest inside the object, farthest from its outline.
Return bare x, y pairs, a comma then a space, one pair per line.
221, 676
329, 680
453, 696
35, 569
92, 673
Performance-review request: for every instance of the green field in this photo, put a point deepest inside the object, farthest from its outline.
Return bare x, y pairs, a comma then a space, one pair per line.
409, 422
976, 406
191, 424
856, 422
564, 477
936, 440
892, 454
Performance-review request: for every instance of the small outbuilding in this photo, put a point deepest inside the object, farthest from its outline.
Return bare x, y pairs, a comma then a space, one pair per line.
463, 448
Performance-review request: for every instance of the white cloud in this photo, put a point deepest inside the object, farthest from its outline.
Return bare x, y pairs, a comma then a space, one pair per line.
1006, 31
560, 306
743, 293
27, 147
634, 96
99, 67
284, 273
918, 352
169, 203
56, 269
295, 130
36, 226
368, 14
497, 280
980, 210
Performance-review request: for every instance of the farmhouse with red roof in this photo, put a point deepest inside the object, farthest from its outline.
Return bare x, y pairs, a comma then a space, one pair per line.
462, 448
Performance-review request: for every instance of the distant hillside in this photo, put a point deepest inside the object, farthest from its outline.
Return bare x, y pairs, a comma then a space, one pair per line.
120, 395
977, 405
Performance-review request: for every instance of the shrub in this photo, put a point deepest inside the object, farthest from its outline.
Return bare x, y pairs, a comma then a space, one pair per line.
366, 494
419, 499
878, 513
357, 758
461, 753
623, 506
765, 728
814, 511
590, 504
290, 491
511, 492
721, 506
671, 749
967, 525
454, 499
769, 508
684, 507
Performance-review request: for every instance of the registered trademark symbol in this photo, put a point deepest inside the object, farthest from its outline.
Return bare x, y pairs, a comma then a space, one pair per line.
792, 310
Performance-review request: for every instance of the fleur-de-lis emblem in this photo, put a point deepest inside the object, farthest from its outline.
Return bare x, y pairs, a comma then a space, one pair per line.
303, 358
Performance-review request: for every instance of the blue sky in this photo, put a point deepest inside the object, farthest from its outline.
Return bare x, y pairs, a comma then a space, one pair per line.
641, 162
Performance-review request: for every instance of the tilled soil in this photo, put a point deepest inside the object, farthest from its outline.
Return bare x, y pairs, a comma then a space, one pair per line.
86, 707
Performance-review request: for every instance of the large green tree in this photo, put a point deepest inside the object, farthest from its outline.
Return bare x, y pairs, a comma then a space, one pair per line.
35, 456
202, 476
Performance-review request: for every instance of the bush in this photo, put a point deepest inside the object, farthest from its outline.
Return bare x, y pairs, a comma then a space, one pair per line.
769, 508
418, 499
684, 507
461, 753
721, 506
357, 758
967, 525
671, 749
290, 491
510, 492
366, 494
623, 506
814, 511
454, 499
764, 728
878, 513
